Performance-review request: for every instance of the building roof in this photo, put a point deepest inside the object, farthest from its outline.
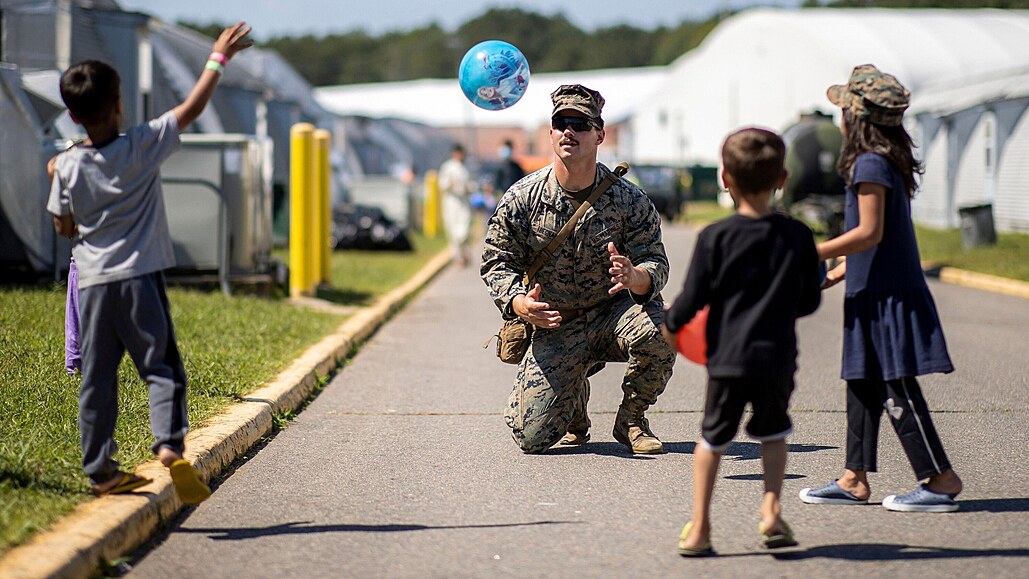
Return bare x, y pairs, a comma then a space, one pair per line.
945, 98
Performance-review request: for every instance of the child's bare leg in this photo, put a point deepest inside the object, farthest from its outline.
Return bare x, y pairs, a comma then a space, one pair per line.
773, 460
705, 470
167, 456
946, 482
855, 482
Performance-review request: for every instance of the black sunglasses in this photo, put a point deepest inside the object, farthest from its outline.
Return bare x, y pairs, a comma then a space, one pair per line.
578, 124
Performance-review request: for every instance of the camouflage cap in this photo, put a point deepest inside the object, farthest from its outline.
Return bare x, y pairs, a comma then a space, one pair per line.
872, 94
577, 98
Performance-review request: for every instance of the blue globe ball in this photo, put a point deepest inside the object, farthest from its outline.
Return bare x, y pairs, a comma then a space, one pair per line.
493, 75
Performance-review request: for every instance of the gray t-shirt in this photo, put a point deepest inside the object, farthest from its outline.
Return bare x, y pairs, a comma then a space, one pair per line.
114, 195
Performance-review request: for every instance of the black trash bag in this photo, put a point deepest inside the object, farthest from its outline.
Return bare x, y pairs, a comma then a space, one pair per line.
365, 227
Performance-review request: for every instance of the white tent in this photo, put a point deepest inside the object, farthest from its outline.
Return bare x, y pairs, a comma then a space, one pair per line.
440, 102
766, 66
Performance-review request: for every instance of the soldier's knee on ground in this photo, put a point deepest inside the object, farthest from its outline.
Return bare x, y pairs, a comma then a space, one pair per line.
535, 445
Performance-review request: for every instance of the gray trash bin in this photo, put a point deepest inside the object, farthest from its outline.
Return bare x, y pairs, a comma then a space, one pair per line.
977, 225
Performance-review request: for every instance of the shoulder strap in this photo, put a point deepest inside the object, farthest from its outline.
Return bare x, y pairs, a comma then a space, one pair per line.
548, 251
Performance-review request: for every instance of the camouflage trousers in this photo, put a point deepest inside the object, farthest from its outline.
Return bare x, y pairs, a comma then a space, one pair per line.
552, 387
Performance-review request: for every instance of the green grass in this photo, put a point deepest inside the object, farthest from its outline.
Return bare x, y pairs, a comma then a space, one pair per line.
361, 276
1008, 258
703, 212
230, 347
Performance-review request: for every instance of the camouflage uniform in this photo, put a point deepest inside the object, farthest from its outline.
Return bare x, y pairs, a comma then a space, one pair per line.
552, 386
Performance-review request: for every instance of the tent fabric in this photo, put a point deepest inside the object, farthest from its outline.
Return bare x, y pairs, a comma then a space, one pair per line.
440, 102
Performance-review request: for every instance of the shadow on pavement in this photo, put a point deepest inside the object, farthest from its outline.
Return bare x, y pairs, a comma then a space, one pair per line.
1018, 505
297, 528
737, 450
602, 449
888, 552
752, 450
759, 476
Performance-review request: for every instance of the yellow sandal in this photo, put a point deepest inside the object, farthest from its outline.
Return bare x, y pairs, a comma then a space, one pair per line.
188, 486
705, 551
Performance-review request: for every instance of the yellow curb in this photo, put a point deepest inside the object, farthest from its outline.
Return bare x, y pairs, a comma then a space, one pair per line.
110, 527
984, 281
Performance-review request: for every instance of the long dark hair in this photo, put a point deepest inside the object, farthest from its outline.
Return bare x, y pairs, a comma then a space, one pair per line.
894, 143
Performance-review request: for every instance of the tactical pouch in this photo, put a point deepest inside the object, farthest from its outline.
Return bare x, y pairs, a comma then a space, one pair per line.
513, 340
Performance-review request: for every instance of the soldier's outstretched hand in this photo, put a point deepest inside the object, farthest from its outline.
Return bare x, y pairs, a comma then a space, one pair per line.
624, 275
538, 313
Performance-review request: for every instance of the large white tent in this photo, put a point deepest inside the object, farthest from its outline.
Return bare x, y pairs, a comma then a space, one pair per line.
766, 66
440, 102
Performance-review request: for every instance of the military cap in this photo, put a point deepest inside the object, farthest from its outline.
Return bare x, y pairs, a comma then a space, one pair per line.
577, 98
872, 94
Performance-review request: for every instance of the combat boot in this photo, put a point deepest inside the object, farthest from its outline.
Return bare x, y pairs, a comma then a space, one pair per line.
579, 428
578, 431
633, 429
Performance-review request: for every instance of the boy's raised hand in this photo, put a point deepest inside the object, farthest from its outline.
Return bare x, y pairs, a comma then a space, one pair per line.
230, 41
233, 39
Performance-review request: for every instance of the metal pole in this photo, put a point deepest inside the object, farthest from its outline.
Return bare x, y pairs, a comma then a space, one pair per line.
322, 251
301, 183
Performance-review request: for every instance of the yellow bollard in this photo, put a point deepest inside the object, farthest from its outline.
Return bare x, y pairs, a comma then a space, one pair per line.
301, 186
432, 201
322, 251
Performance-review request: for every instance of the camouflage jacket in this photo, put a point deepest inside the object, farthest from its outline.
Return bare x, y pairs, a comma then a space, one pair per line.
529, 216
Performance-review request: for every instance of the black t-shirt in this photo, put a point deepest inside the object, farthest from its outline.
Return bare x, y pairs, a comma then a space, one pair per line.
758, 276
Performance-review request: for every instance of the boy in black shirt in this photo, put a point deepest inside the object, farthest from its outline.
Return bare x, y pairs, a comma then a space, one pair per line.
758, 272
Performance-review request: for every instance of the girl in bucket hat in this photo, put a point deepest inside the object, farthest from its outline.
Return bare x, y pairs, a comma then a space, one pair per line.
892, 332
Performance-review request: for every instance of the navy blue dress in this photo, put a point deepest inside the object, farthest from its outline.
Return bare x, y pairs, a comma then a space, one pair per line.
890, 326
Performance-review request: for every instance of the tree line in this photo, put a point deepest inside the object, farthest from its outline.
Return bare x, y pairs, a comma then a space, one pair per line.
549, 43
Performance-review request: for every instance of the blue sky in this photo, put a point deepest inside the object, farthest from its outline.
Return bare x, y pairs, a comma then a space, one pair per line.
319, 17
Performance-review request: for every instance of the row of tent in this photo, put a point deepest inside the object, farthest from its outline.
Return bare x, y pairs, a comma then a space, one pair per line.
260, 95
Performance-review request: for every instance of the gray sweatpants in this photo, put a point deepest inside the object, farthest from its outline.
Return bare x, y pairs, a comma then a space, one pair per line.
129, 315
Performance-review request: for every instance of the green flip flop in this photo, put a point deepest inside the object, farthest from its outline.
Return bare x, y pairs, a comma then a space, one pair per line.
129, 482
778, 539
705, 551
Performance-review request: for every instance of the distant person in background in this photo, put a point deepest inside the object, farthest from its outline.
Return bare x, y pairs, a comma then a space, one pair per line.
456, 184
509, 171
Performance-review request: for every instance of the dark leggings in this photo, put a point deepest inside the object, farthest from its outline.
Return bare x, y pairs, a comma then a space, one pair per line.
909, 413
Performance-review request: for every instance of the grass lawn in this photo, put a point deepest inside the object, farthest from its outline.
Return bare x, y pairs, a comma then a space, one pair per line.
230, 346
1008, 258
702, 212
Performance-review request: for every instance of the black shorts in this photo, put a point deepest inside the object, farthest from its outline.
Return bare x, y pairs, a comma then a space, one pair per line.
769, 398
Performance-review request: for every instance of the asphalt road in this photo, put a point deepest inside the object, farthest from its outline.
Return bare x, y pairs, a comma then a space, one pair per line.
403, 467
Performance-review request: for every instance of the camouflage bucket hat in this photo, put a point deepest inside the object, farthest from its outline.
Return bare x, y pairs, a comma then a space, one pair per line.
577, 98
872, 94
